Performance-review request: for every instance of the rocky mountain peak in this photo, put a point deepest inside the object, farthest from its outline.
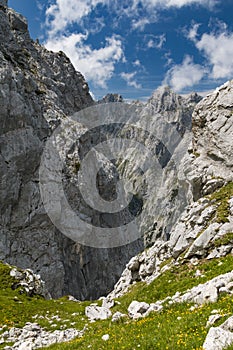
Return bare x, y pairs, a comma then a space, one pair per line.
3, 3
172, 105
110, 98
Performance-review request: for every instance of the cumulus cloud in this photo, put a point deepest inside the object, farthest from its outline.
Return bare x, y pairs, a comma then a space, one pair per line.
130, 79
62, 13
97, 65
218, 49
185, 74
180, 3
65, 12
191, 34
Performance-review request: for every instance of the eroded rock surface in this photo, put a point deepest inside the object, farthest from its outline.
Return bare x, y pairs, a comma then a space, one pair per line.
38, 89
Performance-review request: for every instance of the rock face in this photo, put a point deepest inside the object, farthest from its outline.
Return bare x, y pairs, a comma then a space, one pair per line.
38, 88
111, 98
204, 228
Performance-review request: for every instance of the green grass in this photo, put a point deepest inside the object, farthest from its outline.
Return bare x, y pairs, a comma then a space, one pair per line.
16, 308
221, 198
176, 327
226, 239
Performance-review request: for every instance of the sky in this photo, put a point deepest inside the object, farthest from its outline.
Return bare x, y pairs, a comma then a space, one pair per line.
132, 47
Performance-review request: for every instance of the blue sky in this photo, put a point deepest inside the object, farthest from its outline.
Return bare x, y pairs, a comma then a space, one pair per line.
132, 47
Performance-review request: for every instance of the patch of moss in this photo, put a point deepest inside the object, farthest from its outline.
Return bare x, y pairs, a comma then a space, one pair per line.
221, 197
226, 239
6, 280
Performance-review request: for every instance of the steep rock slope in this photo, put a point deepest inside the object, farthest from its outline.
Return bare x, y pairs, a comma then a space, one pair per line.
38, 89
204, 228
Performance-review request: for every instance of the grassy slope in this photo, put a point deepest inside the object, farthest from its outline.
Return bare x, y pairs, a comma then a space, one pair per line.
176, 327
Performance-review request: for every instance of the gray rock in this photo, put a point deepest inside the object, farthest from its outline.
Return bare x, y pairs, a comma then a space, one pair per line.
228, 324
137, 309
118, 316
31, 283
17, 21
32, 336
213, 319
3, 3
217, 339
38, 90
94, 312
108, 303
202, 242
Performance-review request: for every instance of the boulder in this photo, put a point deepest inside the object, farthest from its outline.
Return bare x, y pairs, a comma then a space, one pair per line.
218, 339
94, 312
137, 309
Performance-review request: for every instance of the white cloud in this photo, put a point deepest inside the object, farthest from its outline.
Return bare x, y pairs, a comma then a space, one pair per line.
157, 42
97, 65
184, 75
137, 63
174, 3
140, 23
129, 78
62, 13
191, 34
180, 3
65, 12
218, 49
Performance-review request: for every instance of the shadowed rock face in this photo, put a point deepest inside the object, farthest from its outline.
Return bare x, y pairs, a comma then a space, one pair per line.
38, 89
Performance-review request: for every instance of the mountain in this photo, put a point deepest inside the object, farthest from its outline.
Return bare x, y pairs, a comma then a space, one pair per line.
163, 260
39, 90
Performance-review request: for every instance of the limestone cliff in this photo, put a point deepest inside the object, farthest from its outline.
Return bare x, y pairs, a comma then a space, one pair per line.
204, 227
38, 88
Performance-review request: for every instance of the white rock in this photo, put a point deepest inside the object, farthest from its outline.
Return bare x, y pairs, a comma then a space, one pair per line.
105, 337
94, 312
137, 309
212, 319
107, 303
217, 339
118, 316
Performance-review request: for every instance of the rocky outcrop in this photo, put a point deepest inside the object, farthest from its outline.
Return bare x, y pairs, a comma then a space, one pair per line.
212, 147
29, 283
32, 336
221, 337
